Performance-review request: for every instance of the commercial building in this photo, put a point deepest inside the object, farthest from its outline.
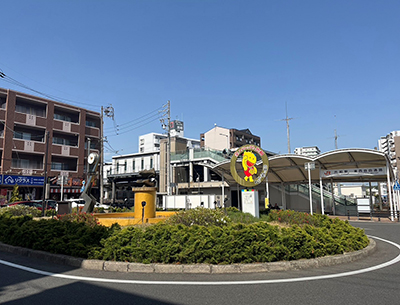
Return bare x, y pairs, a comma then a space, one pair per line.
33, 129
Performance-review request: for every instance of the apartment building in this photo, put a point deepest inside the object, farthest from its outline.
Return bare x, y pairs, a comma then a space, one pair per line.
220, 138
25, 122
390, 144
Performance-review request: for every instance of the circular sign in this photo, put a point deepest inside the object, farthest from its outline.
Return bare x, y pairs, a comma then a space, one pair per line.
250, 173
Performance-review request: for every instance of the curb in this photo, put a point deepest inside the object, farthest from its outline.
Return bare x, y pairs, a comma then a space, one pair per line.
192, 269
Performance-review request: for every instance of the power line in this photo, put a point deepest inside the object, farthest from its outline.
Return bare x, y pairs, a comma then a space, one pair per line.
136, 121
137, 127
13, 81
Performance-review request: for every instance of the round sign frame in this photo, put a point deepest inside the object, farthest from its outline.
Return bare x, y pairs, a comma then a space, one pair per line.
265, 165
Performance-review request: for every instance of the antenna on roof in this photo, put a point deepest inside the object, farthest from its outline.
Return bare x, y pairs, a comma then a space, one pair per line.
287, 128
336, 136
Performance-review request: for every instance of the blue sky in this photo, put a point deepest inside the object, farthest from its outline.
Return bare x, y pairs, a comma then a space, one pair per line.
232, 63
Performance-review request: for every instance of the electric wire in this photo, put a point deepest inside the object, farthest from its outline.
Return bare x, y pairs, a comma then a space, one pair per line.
13, 81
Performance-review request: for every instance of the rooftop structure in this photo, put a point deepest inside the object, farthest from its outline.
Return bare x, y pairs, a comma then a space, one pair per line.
310, 151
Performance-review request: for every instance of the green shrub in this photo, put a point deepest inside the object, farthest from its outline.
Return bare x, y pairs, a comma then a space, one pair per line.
19, 210
232, 243
51, 235
120, 210
50, 212
290, 217
86, 218
195, 236
199, 216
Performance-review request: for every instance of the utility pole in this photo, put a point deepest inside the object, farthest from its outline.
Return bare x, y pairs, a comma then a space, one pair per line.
101, 157
287, 119
87, 158
108, 112
169, 150
45, 173
167, 127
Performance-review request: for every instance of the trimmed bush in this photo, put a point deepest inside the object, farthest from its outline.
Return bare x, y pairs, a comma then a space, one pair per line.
232, 243
195, 236
61, 237
86, 218
20, 210
200, 216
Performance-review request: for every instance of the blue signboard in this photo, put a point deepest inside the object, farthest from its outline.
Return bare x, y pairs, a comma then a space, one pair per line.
22, 180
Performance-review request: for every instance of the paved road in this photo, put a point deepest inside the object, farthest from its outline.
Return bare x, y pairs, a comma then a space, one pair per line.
313, 286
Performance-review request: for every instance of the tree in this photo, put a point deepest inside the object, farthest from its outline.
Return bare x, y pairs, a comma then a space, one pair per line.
15, 194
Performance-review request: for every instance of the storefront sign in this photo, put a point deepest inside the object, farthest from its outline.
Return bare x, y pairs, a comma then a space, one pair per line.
353, 172
22, 180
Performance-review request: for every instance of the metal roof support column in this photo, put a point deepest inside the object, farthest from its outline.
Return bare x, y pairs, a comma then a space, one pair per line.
113, 191
309, 188
333, 198
322, 195
238, 197
371, 204
380, 196
389, 190
267, 192
283, 194
223, 191
396, 203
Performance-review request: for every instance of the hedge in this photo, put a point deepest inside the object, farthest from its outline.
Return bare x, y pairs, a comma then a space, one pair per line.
196, 236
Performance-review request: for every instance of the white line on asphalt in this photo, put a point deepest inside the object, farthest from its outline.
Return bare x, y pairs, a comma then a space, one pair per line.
205, 283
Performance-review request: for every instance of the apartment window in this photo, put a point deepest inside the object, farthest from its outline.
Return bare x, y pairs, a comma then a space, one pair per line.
62, 117
93, 144
3, 102
63, 164
133, 166
25, 161
125, 166
93, 122
141, 149
29, 134
63, 139
65, 115
27, 107
151, 163
117, 168
142, 165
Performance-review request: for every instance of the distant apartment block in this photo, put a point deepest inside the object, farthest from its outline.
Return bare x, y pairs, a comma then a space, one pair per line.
310, 151
220, 138
390, 144
24, 122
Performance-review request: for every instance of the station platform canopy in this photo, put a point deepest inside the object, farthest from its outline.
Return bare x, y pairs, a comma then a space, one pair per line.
343, 165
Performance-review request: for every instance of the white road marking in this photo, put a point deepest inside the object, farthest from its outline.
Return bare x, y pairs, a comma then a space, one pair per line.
205, 283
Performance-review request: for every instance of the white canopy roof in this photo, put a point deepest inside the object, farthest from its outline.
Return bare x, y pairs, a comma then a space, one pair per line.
290, 168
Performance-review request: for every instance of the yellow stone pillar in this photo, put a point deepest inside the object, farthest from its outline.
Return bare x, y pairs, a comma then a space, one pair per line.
147, 194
